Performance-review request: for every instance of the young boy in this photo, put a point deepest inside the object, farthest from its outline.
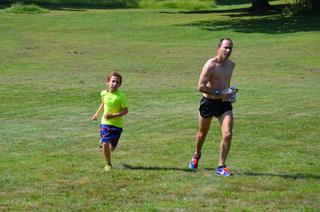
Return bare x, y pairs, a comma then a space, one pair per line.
114, 106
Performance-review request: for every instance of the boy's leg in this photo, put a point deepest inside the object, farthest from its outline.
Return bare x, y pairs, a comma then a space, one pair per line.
106, 152
109, 139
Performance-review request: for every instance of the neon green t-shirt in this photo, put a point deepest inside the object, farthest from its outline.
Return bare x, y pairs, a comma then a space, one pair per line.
113, 103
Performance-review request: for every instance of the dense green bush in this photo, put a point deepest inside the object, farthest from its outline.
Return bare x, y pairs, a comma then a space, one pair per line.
26, 9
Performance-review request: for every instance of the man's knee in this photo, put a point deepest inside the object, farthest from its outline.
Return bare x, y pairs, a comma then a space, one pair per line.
227, 136
202, 134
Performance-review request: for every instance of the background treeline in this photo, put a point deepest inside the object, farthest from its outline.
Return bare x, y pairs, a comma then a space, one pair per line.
175, 4
293, 6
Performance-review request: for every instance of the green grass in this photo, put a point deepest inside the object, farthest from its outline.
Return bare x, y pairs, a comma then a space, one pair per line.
52, 68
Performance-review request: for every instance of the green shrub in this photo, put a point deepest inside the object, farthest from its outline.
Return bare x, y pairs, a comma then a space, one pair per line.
26, 9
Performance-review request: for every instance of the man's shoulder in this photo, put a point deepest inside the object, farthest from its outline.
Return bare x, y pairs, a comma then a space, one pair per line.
231, 62
211, 63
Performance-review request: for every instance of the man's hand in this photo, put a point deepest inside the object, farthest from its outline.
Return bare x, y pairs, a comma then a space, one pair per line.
230, 94
225, 95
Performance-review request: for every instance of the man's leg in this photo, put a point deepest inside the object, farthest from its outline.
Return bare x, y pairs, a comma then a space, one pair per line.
204, 126
226, 124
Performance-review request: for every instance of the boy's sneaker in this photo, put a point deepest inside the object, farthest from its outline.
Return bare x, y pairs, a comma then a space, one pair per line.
107, 167
193, 164
223, 171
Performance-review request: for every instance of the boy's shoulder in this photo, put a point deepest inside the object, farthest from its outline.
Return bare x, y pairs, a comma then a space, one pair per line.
117, 93
104, 92
121, 94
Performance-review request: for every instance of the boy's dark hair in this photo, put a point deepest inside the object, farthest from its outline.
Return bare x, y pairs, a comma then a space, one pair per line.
115, 74
222, 39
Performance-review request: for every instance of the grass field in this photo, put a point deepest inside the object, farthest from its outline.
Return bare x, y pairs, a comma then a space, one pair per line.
51, 73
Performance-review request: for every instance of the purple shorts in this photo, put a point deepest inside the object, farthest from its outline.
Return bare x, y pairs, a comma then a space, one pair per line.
110, 134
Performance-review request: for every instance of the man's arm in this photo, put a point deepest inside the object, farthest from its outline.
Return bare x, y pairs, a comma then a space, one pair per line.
233, 66
204, 79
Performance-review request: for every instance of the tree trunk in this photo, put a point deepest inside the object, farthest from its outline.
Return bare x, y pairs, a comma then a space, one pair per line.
260, 6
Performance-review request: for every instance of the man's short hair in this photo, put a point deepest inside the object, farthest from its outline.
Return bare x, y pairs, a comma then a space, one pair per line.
222, 39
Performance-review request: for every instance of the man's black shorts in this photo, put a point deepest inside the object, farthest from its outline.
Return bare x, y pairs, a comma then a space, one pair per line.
213, 107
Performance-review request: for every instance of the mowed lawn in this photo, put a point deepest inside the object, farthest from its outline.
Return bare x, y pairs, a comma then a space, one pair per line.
52, 69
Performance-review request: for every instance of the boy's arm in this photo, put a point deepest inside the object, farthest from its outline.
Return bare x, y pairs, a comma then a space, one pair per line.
123, 112
100, 109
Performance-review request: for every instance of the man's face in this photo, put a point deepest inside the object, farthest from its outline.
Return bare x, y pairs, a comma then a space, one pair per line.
225, 49
114, 83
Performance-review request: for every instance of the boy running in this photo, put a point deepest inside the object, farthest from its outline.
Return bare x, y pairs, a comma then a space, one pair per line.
114, 106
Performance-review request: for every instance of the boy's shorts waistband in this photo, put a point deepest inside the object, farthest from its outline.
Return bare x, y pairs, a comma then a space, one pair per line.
110, 126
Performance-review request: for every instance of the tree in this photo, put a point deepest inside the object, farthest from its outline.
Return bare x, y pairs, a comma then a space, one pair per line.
261, 6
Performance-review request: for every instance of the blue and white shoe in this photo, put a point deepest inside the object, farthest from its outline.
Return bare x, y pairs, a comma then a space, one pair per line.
193, 164
223, 171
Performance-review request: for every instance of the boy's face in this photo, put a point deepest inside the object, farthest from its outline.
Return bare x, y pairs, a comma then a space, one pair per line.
114, 83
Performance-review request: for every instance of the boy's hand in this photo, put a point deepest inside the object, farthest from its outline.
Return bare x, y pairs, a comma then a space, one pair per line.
95, 116
109, 116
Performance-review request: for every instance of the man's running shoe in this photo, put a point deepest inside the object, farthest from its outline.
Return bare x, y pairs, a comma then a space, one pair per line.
223, 171
107, 167
193, 165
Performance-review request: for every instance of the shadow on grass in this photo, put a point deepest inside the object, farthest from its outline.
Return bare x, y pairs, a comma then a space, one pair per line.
286, 176
155, 168
232, 2
270, 25
254, 174
213, 11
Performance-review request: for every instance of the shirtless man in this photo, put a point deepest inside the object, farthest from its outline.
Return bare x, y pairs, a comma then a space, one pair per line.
215, 77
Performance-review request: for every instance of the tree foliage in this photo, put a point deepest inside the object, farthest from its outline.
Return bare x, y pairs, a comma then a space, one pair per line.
260, 6
309, 5
303, 7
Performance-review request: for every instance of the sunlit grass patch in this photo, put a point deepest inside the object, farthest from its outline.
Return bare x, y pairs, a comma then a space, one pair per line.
176, 4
